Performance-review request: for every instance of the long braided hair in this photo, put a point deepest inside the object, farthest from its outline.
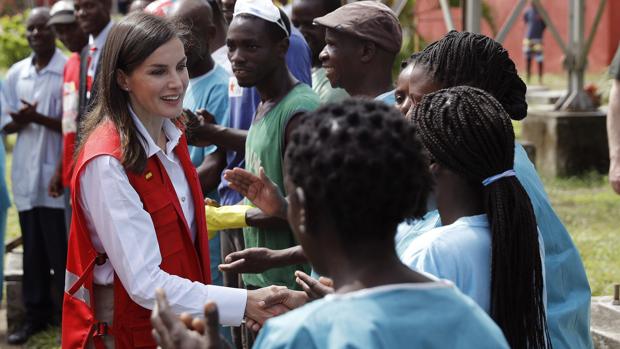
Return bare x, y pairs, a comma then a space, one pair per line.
466, 130
464, 58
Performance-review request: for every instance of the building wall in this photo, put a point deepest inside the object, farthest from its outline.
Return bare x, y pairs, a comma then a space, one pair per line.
431, 27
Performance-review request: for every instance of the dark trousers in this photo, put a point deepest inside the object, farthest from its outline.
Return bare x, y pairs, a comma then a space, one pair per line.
232, 241
45, 249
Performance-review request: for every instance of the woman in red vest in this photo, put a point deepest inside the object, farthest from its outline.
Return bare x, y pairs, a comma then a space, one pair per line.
139, 221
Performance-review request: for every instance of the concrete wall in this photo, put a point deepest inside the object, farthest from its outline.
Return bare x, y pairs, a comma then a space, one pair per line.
431, 27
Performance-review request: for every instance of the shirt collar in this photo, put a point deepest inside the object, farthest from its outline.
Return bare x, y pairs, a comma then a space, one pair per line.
173, 134
99, 41
197, 79
55, 66
384, 95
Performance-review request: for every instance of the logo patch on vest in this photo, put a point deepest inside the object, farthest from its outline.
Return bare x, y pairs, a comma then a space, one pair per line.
148, 175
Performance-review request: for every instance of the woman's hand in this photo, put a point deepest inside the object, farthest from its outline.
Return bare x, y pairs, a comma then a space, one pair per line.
289, 298
255, 311
260, 190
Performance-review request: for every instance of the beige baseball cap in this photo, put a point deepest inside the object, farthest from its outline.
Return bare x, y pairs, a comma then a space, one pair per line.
369, 20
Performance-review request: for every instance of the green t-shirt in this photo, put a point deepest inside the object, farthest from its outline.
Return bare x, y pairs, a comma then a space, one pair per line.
614, 68
323, 88
264, 147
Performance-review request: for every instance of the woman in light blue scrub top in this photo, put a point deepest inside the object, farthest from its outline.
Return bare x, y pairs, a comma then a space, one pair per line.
482, 62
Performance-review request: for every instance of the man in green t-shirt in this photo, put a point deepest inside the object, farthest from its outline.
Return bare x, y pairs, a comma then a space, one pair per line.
362, 40
613, 124
257, 40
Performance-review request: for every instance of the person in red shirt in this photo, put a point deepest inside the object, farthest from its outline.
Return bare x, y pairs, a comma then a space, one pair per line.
71, 35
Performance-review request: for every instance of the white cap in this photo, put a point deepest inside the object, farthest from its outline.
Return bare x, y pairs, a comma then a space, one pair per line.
264, 9
62, 12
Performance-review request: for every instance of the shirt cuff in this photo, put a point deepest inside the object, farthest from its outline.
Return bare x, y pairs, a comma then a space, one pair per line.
230, 302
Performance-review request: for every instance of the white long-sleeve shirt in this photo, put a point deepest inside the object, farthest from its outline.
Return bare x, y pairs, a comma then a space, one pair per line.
122, 229
38, 148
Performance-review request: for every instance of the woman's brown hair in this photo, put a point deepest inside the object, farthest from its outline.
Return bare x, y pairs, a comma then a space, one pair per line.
130, 42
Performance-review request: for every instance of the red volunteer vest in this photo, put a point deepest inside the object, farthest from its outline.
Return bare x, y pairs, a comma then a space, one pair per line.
180, 256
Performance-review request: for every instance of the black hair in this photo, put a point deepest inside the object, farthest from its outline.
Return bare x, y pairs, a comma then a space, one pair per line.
411, 60
217, 11
277, 32
467, 131
360, 165
331, 5
464, 58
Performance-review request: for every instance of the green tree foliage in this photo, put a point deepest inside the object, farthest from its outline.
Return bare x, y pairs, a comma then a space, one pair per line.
13, 43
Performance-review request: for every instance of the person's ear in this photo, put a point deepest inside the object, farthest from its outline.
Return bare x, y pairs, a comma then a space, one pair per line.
368, 51
282, 48
211, 33
122, 80
435, 169
300, 197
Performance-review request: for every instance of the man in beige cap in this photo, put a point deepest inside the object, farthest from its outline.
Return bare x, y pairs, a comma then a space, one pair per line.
362, 40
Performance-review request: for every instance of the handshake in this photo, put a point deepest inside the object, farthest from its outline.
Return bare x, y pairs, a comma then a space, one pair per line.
171, 331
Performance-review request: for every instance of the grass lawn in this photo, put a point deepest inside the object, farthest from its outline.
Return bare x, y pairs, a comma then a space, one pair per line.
590, 210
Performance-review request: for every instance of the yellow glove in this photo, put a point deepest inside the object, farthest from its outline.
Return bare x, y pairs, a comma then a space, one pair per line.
225, 217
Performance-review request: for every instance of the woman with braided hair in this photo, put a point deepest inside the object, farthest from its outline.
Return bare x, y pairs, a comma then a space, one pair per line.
462, 58
488, 244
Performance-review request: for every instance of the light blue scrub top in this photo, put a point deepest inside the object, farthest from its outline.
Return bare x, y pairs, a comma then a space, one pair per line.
423, 315
209, 92
459, 252
388, 98
568, 290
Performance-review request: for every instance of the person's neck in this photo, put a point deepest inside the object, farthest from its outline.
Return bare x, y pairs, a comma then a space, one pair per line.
202, 67
100, 30
372, 83
463, 201
375, 267
154, 127
277, 85
41, 60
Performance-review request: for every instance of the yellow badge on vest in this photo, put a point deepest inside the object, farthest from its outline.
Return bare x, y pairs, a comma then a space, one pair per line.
148, 175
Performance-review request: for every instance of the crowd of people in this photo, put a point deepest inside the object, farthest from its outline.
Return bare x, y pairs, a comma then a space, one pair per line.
213, 173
